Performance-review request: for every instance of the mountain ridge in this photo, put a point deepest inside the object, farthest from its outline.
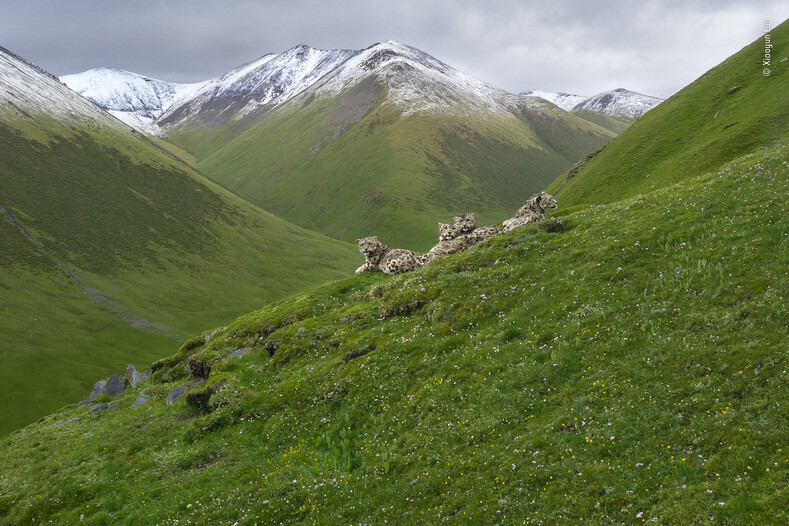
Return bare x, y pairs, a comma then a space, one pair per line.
274, 78
620, 103
118, 246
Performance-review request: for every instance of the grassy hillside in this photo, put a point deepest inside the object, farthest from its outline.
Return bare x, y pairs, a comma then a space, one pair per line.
623, 363
729, 111
606, 121
353, 166
113, 250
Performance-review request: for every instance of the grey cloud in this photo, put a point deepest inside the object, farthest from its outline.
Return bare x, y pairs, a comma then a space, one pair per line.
655, 47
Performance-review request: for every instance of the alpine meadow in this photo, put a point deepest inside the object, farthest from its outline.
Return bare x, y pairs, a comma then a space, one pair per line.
622, 361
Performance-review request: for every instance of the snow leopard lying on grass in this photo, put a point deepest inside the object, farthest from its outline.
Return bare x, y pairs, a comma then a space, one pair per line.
467, 226
450, 241
532, 211
389, 261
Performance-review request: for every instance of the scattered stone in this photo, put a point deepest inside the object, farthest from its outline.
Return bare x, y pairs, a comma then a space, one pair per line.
198, 382
301, 333
102, 407
241, 352
175, 394
414, 481
142, 399
133, 376
145, 376
69, 421
114, 386
97, 389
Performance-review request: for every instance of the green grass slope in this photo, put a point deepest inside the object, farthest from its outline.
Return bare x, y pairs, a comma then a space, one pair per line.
624, 363
606, 121
113, 249
730, 110
354, 165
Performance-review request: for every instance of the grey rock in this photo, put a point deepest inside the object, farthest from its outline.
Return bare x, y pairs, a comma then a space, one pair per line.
145, 376
175, 394
69, 421
142, 399
97, 388
114, 386
241, 352
198, 382
133, 376
102, 407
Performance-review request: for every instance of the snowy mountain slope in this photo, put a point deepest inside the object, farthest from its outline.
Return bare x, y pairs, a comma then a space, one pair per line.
27, 90
565, 101
619, 103
418, 82
415, 81
258, 86
134, 99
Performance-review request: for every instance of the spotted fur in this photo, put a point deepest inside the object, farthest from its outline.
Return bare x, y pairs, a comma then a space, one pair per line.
484, 232
465, 223
532, 211
379, 257
451, 241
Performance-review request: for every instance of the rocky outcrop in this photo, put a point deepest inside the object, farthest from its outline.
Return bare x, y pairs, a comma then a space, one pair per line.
114, 386
175, 394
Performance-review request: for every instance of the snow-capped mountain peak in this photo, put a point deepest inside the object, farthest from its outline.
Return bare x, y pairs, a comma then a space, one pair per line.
261, 84
566, 101
135, 99
26, 89
416, 81
620, 103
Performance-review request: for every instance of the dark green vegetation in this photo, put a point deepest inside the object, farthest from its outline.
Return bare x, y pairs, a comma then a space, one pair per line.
729, 111
620, 363
354, 165
112, 250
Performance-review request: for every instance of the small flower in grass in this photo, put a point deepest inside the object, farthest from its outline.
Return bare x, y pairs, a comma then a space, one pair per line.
640, 514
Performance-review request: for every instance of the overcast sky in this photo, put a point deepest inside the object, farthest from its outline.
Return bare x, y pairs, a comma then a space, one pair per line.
575, 46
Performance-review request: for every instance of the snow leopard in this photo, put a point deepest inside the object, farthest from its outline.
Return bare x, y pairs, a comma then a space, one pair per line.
389, 261
532, 211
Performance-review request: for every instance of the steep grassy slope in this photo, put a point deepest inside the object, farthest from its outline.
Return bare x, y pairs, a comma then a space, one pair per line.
728, 111
112, 249
606, 121
353, 165
621, 364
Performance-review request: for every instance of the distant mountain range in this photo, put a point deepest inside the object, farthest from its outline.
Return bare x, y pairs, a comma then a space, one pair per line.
149, 104
620, 103
385, 140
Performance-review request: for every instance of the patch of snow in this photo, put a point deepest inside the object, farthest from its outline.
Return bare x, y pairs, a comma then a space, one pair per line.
619, 103
27, 89
418, 82
565, 101
123, 91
